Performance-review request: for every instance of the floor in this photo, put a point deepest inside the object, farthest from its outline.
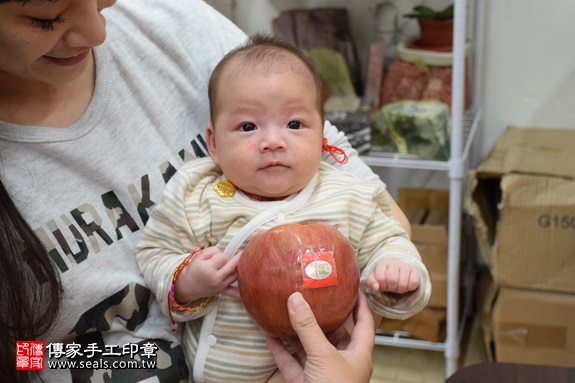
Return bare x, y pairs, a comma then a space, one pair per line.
402, 365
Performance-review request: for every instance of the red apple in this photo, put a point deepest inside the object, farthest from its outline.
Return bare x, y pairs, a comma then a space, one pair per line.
314, 259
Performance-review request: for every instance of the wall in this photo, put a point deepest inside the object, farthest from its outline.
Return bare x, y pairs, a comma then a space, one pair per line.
529, 69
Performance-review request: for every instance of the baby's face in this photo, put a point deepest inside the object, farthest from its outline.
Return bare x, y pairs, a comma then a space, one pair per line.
267, 135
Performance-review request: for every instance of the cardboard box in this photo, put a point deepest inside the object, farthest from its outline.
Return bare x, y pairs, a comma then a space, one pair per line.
438, 297
528, 326
427, 211
522, 201
485, 295
428, 324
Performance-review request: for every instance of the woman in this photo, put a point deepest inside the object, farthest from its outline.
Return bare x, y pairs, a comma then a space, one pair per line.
99, 106
30, 291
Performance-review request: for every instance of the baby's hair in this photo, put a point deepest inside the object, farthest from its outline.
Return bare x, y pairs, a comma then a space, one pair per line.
267, 54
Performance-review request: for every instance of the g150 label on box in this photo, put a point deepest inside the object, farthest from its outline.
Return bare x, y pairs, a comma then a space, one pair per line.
553, 221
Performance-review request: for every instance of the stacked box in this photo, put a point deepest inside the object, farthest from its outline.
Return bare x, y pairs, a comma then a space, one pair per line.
522, 201
428, 324
427, 211
528, 326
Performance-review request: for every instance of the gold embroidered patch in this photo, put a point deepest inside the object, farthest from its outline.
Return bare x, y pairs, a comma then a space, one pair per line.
225, 188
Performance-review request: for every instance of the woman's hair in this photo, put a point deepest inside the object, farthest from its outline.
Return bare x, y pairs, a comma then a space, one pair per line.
30, 287
266, 54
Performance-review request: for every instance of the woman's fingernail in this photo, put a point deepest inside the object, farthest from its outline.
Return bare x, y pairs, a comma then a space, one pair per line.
297, 303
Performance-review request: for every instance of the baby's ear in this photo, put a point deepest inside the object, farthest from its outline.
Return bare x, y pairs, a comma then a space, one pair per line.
211, 141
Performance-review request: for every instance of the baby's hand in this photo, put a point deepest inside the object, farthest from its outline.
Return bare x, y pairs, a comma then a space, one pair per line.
393, 275
208, 273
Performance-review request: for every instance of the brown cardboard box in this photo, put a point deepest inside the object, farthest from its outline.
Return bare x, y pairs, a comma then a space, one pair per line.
485, 295
522, 201
428, 324
427, 211
528, 326
535, 327
438, 297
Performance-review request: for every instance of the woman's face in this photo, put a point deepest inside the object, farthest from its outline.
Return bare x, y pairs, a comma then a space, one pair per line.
49, 41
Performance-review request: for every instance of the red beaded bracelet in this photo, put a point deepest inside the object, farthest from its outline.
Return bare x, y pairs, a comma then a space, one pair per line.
171, 294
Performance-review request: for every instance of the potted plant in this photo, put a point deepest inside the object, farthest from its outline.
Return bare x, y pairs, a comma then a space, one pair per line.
435, 27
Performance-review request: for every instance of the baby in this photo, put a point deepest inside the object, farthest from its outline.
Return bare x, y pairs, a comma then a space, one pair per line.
266, 142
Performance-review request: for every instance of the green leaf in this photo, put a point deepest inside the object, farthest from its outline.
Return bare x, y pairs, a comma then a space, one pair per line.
445, 14
424, 11
413, 16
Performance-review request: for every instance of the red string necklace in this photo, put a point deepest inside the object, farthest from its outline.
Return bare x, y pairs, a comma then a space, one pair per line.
333, 151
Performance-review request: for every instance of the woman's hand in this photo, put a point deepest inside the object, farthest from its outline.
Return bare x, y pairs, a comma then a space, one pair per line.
322, 361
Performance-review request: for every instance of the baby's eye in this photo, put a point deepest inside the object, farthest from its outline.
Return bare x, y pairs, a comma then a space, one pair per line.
294, 125
47, 25
247, 127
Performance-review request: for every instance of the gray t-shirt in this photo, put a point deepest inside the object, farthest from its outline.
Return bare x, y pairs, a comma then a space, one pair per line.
87, 189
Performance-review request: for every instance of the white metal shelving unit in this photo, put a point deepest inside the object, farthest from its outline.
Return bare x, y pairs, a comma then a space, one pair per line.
463, 128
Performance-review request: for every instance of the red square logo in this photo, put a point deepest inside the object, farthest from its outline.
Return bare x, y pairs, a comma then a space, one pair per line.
318, 269
29, 355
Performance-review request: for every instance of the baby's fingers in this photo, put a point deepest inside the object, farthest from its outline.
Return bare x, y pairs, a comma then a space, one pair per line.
408, 280
232, 292
371, 282
414, 280
230, 268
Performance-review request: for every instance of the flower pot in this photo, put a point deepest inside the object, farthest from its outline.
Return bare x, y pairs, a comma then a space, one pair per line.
435, 34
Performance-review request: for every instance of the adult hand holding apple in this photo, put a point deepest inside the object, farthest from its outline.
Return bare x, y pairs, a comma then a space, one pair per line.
323, 362
314, 259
